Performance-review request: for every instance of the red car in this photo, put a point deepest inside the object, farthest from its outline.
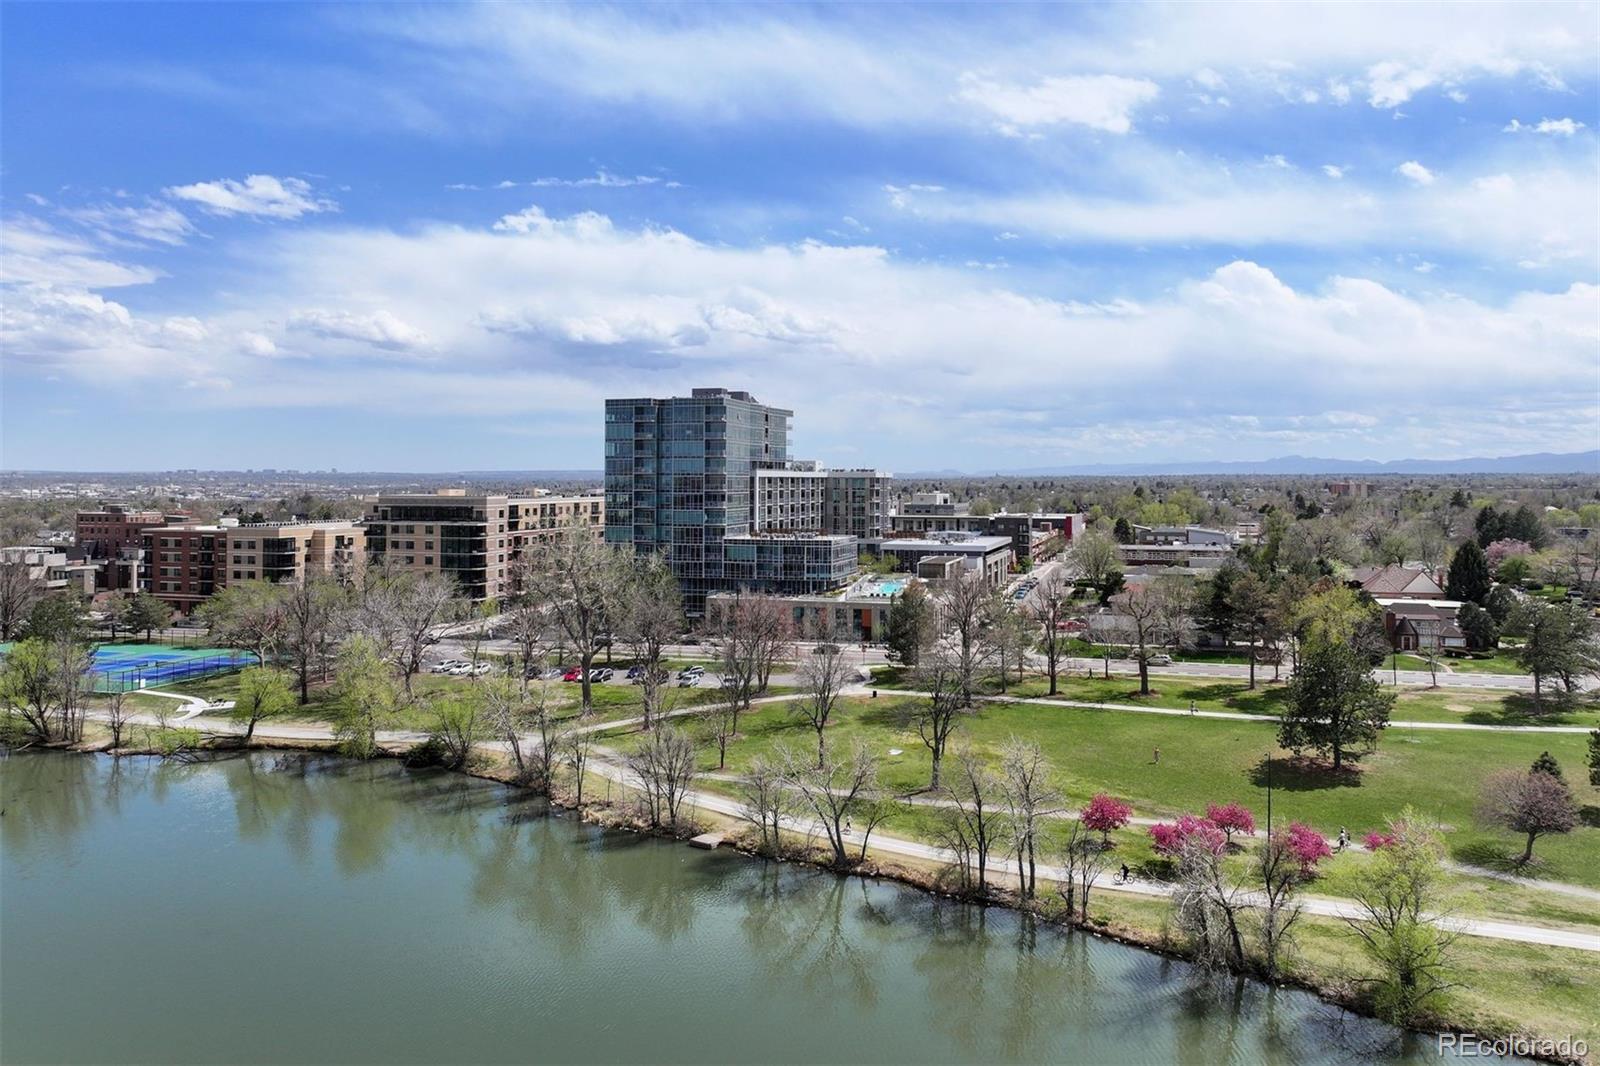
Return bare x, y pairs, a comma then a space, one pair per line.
575, 674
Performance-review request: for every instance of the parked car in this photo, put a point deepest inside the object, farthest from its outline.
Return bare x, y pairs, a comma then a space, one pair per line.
688, 680
554, 673
635, 672
482, 668
1160, 658
601, 674
694, 671
574, 674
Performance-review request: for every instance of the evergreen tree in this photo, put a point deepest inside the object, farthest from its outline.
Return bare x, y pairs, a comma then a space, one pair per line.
1489, 527
1216, 601
1469, 579
1123, 531
910, 624
1500, 602
1478, 626
1546, 764
1526, 525
1594, 757
146, 614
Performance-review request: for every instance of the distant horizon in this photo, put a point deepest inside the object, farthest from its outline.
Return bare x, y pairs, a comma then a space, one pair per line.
1585, 462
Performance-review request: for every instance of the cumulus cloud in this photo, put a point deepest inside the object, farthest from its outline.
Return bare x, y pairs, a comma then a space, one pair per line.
1104, 102
1416, 172
381, 329
258, 196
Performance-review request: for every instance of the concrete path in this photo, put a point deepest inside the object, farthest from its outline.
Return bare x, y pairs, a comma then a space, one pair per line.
193, 706
1236, 716
604, 763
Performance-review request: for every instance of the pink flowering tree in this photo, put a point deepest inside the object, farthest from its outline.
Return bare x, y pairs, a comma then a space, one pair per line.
1501, 550
1307, 846
1379, 841
1105, 813
1169, 839
1231, 818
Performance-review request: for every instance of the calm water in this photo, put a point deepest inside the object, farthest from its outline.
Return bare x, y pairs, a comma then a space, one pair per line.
301, 909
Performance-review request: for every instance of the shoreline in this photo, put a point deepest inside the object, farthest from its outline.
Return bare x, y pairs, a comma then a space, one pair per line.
609, 816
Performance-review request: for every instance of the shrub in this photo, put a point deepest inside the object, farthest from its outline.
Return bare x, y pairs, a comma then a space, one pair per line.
1377, 841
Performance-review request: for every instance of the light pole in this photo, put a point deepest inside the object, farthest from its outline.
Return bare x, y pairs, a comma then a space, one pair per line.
1269, 796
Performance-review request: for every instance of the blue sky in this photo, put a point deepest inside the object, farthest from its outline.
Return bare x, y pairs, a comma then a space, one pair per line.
434, 238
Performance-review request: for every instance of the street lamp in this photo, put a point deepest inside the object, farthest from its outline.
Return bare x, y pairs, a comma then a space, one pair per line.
1269, 796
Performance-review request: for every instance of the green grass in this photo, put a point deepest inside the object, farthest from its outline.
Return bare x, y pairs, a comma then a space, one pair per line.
1205, 760
1472, 706
1500, 663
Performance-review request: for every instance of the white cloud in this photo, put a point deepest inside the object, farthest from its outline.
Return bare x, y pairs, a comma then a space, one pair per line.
1103, 102
1415, 172
152, 223
1277, 161
1559, 127
258, 195
33, 252
381, 329
1335, 172
1207, 78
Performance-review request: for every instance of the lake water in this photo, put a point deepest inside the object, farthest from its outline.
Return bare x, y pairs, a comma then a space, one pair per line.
290, 908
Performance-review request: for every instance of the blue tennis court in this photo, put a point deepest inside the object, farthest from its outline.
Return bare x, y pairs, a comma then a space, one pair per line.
126, 667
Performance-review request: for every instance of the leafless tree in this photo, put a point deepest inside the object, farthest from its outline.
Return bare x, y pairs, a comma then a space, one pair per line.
119, 714
651, 617
965, 607
545, 754
975, 823
1532, 803
721, 718
312, 610
1011, 636
249, 615
575, 748
1083, 857
750, 635
579, 580
1145, 613
527, 621
507, 712
664, 765
823, 674
839, 792
19, 591
937, 715
457, 727
1093, 557
1581, 559
765, 800
1029, 797
1279, 875
1051, 608
1206, 906
420, 602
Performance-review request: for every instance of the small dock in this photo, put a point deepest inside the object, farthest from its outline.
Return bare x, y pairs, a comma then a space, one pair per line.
708, 841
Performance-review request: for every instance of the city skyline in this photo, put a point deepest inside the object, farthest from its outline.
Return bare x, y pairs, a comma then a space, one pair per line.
1013, 240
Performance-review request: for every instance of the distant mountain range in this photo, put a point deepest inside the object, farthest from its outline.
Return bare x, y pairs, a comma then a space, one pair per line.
1292, 465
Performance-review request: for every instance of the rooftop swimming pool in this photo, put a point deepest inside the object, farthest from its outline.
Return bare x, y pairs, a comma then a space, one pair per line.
885, 586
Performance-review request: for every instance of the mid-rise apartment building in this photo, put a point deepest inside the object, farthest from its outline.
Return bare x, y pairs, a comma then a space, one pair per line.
181, 563
292, 551
706, 481
114, 536
472, 539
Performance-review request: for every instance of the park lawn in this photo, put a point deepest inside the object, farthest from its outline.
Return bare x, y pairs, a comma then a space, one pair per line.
1483, 707
1502, 985
1500, 663
1205, 760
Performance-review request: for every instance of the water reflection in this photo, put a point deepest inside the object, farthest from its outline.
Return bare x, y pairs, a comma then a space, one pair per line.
560, 916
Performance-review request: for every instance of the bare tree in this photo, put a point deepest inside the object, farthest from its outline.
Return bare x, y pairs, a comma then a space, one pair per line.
824, 673
1206, 906
1051, 608
1145, 612
527, 622
19, 591
838, 791
965, 607
119, 713
937, 715
579, 580
1084, 857
750, 635
312, 610
651, 617
1096, 561
457, 727
510, 708
1279, 874
664, 764
765, 800
575, 748
1029, 797
975, 821
722, 723
1011, 636
249, 615
420, 602
1532, 803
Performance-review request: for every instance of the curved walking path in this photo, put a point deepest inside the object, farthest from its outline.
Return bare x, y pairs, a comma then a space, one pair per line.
1240, 716
193, 706
604, 763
